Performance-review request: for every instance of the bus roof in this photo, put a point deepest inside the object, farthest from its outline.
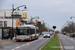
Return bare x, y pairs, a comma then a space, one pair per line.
30, 26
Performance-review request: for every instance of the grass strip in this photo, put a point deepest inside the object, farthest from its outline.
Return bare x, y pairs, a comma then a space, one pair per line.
53, 44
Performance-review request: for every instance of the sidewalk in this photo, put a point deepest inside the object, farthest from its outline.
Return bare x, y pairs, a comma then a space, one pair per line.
5, 42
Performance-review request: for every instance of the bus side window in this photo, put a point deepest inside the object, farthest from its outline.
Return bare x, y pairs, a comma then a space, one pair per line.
32, 31
28, 31
17, 31
37, 31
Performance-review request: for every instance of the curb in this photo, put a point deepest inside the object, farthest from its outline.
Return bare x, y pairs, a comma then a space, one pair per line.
61, 47
45, 44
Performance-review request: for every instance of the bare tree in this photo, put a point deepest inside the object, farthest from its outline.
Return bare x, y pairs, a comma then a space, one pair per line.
69, 28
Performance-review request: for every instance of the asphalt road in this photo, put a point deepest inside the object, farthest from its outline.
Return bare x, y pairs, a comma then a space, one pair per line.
68, 43
26, 45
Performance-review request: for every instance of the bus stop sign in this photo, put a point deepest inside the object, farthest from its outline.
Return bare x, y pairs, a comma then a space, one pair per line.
54, 27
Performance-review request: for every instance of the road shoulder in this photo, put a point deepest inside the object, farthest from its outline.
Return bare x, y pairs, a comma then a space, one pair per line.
60, 44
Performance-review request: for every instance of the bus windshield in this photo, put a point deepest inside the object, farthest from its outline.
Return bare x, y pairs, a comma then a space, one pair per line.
23, 32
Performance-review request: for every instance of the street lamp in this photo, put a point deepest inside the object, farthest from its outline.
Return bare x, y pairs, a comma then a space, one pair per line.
13, 9
48, 26
65, 24
42, 25
72, 17
42, 21
34, 18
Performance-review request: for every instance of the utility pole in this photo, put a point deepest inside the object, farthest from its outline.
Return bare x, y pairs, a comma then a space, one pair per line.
72, 27
12, 21
12, 16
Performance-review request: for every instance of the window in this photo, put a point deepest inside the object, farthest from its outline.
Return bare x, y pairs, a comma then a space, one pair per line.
32, 31
23, 32
1, 23
37, 31
15, 13
5, 23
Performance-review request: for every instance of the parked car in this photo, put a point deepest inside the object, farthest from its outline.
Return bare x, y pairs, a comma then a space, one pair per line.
67, 34
64, 33
46, 35
72, 35
53, 32
43, 33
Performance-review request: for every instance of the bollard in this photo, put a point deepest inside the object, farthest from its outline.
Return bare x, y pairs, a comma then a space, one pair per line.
54, 35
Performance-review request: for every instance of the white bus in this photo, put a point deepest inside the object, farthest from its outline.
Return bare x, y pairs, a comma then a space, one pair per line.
27, 32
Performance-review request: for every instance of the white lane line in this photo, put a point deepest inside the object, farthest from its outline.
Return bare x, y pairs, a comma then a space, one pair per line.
17, 47
23, 45
26, 44
66, 37
13, 49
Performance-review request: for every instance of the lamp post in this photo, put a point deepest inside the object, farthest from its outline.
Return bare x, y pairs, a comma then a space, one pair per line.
13, 9
34, 18
48, 26
42, 25
64, 25
42, 21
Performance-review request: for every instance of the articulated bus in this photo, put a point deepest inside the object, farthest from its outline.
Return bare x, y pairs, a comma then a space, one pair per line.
27, 32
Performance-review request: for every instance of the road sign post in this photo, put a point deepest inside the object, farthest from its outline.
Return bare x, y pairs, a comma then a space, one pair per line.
54, 35
54, 27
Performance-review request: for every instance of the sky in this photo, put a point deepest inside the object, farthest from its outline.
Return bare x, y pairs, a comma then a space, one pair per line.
53, 12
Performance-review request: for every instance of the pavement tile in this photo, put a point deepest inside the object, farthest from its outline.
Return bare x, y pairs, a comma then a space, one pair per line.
5, 42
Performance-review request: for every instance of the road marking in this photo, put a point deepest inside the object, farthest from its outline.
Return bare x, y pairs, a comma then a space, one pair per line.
27, 43
23, 45
13, 49
17, 47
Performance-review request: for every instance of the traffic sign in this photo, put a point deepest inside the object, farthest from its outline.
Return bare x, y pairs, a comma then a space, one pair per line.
70, 30
54, 27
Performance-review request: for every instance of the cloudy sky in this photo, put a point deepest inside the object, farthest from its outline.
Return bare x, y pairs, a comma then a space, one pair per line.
53, 12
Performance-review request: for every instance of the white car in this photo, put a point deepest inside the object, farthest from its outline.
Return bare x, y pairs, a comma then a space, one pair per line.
43, 33
46, 35
51, 33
